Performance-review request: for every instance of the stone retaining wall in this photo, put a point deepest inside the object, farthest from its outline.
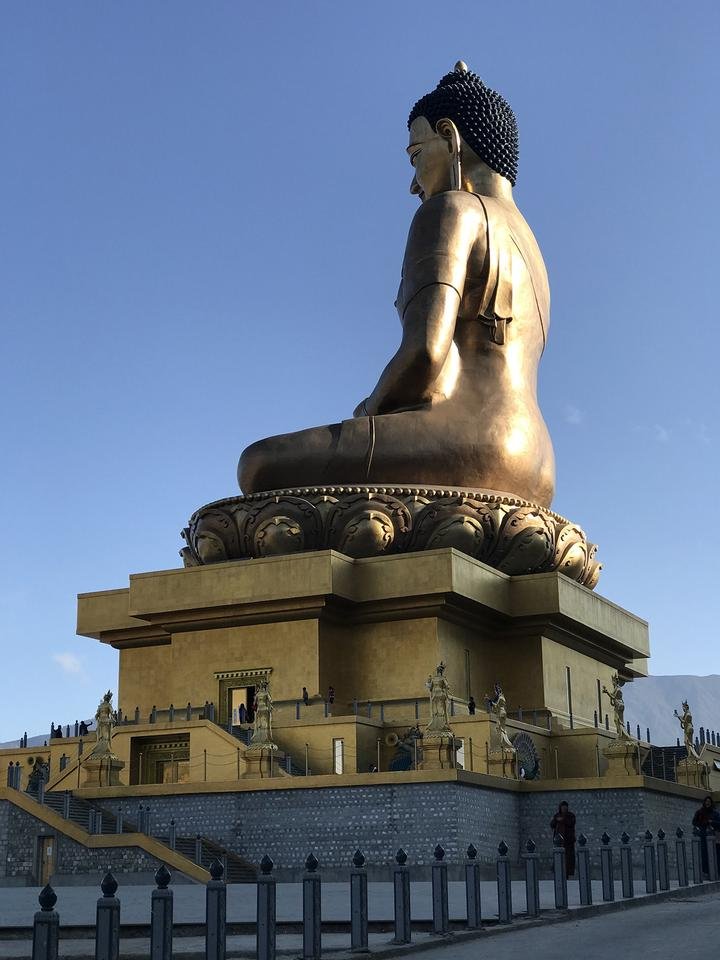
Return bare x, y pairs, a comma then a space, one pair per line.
19, 835
332, 822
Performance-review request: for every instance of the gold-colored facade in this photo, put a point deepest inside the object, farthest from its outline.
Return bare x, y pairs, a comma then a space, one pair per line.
371, 630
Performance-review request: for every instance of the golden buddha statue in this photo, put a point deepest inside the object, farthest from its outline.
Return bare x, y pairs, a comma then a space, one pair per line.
456, 406
450, 448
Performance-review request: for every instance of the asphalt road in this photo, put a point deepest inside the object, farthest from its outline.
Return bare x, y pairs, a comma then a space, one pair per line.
684, 928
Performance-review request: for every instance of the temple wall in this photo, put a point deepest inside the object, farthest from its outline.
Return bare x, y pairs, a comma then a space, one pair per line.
185, 670
19, 838
383, 660
332, 822
585, 672
373, 629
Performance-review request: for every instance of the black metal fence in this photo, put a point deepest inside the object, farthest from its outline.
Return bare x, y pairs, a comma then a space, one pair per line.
691, 866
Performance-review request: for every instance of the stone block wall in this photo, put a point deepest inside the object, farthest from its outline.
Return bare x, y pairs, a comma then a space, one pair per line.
19, 833
484, 818
614, 811
332, 822
4, 815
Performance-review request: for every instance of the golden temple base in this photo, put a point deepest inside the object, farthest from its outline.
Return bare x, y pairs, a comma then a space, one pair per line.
438, 753
260, 762
502, 763
692, 773
372, 629
102, 771
622, 758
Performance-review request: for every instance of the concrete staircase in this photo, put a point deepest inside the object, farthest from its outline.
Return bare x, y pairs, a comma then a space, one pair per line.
94, 826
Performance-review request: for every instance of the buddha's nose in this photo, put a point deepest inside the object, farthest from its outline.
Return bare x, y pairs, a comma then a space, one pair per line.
415, 188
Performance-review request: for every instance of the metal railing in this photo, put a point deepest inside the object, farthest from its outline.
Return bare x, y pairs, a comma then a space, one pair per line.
650, 856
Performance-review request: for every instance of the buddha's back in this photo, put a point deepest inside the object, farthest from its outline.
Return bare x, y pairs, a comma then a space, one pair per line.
483, 428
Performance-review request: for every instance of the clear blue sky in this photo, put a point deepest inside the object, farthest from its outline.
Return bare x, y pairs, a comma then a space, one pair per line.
203, 208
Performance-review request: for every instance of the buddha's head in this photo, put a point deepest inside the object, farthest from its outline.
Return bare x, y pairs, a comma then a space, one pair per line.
462, 135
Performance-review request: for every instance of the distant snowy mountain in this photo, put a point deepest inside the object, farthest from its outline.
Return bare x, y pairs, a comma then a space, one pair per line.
651, 701
32, 742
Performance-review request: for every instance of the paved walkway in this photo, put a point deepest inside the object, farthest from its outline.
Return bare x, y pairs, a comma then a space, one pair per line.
76, 905
687, 925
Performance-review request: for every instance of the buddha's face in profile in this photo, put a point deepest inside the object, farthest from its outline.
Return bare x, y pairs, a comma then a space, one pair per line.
431, 156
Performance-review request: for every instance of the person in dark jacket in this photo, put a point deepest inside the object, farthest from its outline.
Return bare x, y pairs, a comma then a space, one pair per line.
707, 821
564, 823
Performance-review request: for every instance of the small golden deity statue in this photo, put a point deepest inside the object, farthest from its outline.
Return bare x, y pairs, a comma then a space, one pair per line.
686, 725
617, 702
438, 740
497, 708
262, 724
260, 753
439, 690
102, 767
456, 406
104, 722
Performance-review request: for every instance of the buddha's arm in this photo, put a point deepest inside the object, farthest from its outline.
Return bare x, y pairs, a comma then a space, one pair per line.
441, 237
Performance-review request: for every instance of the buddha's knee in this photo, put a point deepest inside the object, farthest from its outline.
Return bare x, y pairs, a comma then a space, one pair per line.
256, 461
287, 460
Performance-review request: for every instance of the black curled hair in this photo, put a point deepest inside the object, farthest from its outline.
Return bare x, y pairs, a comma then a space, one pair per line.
483, 117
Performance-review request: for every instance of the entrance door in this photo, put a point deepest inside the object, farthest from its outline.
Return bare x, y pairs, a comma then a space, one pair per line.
47, 859
241, 697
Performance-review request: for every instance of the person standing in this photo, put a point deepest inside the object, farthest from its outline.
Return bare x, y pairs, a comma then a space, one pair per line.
707, 821
305, 696
471, 706
564, 823
331, 695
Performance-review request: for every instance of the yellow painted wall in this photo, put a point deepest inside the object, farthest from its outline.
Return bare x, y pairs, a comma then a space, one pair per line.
580, 752
514, 660
184, 670
13, 755
378, 661
584, 672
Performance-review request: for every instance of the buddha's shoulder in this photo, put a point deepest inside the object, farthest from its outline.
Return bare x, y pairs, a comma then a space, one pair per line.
451, 205
458, 200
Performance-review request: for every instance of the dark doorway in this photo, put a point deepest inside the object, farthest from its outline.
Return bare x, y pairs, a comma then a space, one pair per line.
241, 704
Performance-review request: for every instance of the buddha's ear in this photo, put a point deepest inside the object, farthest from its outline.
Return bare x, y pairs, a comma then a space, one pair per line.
446, 129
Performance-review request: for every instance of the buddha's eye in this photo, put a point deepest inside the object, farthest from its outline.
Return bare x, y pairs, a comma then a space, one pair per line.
413, 156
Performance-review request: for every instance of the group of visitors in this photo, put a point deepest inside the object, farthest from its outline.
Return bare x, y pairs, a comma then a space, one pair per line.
245, 714
330, 696
56, 732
